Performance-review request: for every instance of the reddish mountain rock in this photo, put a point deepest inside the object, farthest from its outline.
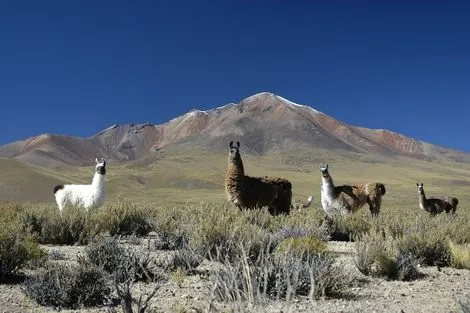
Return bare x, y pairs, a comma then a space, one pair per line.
263, 123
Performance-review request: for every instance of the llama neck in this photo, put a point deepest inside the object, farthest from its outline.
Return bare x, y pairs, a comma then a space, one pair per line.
98, 181
327, 184
235, 168
422, 199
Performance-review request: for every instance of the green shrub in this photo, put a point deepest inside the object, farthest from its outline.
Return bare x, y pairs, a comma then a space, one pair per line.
68, 286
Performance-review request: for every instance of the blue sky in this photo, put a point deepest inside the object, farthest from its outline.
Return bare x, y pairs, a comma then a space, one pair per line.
77, 67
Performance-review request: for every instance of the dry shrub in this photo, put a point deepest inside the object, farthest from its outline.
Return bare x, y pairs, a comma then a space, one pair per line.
124, 218
68, 286
17, 247
281, 277
348, 227
172, 226
426, 243
460, 255
219, 231
377, 254
73, 227
301, 245
108, 254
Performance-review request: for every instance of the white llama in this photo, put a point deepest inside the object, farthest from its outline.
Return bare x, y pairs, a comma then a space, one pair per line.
84, 196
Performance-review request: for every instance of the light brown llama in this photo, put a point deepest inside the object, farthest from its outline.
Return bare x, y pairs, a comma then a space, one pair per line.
349, 199
436, 205
247, 192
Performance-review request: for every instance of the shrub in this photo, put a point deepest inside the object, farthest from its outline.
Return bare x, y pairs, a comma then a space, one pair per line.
67, 286
312, 275
301, 245
460, 255
124, 218
74, 227
377, 255
403, 266
219, 232
109, 255
16, 249
104, 252
172, 225
347, 227
429, 248
184, 259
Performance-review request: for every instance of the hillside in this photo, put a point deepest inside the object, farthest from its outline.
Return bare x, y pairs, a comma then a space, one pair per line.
265, 123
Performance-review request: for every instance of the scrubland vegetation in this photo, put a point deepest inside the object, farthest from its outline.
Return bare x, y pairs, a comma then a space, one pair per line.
250, 258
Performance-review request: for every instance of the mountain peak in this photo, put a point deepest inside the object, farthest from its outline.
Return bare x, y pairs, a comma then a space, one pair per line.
264, 122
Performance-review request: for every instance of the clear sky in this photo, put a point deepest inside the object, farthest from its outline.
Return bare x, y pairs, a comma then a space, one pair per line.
77, 67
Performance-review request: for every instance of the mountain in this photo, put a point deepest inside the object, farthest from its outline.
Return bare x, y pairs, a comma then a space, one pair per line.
265, 123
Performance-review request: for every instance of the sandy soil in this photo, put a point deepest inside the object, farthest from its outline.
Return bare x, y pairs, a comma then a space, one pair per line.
439, 291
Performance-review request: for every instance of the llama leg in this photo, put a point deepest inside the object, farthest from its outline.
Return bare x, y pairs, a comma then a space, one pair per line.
374, 205
273, 210
61, 207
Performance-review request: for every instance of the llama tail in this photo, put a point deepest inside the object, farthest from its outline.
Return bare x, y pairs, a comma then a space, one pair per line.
57, 188
308, 203
382, 188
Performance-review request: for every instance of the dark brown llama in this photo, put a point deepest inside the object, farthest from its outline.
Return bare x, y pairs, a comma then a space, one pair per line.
248, 192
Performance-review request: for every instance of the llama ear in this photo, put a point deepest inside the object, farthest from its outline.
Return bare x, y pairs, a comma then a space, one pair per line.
103, 161
417, 184
230, 145
96, 161
238, 144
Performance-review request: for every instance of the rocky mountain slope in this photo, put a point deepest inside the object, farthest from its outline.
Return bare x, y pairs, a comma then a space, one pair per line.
264, 123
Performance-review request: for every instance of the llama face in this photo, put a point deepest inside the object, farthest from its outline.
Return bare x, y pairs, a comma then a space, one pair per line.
234, 151
324, 169
100, 166
420, 188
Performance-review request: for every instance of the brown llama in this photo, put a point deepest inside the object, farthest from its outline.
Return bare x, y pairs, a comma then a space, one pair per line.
247, 192
436, 205
349, 199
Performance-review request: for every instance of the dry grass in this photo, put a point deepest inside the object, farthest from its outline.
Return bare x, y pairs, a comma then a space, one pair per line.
460, 255
262, 257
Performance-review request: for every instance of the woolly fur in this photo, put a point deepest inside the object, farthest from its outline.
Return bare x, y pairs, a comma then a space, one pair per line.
84, 196
349, 199
436, 205
247, 192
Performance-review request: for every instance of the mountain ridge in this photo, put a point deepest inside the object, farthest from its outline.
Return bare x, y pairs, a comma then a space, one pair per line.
265, 122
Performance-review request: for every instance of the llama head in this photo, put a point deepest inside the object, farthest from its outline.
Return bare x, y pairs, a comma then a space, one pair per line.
420, 188
100, 166
234, 151
324, 169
